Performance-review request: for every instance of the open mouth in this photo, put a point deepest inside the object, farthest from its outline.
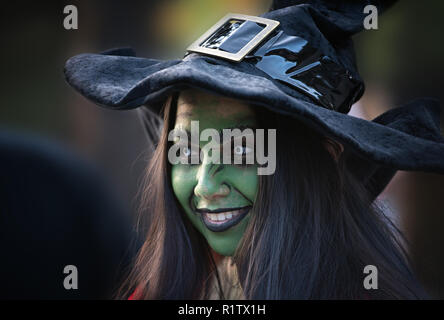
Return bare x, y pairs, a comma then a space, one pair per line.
222, 219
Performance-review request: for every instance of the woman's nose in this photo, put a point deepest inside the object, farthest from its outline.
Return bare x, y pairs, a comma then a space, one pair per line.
209, 183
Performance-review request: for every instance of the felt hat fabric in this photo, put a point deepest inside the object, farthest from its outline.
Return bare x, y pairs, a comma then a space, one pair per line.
305, 68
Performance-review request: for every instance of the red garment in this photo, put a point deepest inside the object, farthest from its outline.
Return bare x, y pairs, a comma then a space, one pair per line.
133, 295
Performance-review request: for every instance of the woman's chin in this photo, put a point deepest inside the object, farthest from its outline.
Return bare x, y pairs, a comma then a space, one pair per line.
226, 243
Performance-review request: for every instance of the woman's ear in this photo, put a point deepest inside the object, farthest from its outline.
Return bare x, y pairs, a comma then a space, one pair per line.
334, 148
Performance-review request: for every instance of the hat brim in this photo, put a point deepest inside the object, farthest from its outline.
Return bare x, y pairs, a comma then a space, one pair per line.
404, 138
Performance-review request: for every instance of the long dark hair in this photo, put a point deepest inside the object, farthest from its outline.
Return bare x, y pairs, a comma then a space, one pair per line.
313, 229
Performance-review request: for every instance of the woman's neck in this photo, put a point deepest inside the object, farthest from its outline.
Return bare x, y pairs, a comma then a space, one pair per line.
217, 257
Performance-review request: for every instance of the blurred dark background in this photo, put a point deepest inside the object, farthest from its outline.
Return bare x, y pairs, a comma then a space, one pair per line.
401, 60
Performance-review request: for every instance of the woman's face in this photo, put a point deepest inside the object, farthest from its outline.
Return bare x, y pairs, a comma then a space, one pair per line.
217, 198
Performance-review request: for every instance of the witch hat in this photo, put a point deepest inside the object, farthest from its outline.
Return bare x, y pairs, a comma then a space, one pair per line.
297, 60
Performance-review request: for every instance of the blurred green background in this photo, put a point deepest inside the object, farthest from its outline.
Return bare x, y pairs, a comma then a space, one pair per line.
401, 60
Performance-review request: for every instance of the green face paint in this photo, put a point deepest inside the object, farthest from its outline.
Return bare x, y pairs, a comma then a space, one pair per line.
210, 193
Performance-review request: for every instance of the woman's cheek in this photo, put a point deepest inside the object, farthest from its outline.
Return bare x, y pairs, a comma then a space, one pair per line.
183, 182
243, 178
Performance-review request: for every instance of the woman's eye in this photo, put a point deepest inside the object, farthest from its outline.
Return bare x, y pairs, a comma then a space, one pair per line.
186, 151
240, 150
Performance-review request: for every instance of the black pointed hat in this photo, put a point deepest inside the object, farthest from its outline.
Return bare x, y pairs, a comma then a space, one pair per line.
297, 60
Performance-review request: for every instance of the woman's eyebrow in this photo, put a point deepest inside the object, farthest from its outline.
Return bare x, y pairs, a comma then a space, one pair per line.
240, 127
188, 133
220, 131
184, 114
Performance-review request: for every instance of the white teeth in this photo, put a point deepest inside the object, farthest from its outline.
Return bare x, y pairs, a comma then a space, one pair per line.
223, 216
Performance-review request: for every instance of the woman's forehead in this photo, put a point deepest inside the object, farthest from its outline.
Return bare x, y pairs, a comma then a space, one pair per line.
199, 105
